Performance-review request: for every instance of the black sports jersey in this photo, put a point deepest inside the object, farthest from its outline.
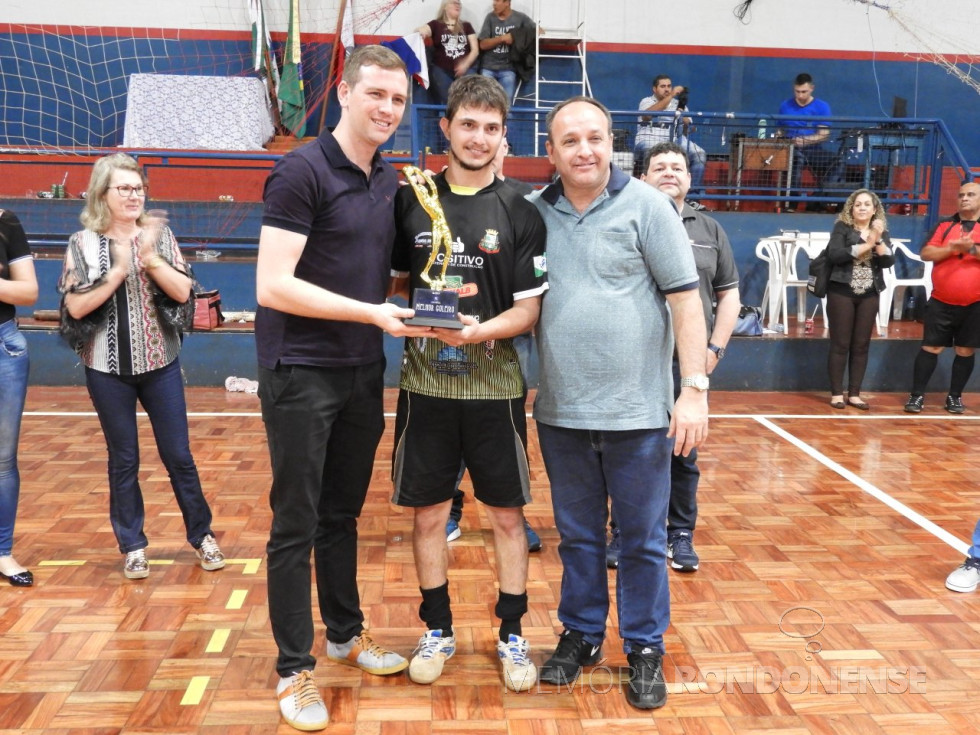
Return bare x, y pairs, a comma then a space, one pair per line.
498, 258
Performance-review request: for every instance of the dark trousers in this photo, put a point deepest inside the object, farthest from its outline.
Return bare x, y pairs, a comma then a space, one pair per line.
682, 511
323, 427
851, 319
825, 165
161, 393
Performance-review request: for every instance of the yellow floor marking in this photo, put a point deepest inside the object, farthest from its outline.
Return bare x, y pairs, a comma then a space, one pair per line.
218, 640
195, 690
250, 566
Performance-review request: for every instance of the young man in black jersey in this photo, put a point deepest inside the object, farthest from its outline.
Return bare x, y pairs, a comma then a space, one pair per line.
462, 392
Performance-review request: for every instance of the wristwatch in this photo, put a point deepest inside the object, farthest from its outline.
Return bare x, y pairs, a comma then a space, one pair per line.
698, 382
719, 351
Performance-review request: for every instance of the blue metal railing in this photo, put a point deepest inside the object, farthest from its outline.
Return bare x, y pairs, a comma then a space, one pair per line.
901, 159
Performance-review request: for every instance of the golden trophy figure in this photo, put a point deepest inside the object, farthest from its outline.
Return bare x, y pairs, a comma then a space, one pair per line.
434, 306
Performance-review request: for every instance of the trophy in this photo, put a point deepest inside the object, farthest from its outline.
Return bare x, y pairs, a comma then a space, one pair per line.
434, 306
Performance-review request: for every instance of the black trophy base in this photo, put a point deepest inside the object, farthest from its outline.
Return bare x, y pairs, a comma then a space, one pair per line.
437, 309
434, 322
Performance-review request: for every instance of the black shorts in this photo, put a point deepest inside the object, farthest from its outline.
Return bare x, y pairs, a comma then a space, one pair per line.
945, 325
432, 437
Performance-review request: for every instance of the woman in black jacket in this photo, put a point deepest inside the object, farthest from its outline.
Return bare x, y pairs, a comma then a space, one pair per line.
859, 251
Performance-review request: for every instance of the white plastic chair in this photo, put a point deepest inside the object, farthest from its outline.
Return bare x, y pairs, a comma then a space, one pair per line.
810, 244
886, 306
769, 249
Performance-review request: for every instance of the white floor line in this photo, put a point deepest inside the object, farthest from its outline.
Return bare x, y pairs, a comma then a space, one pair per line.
870, 489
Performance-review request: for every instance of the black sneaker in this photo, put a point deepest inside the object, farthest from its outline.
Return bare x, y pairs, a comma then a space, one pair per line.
646, 688
954, 404
572, 653
914, 403
680, 551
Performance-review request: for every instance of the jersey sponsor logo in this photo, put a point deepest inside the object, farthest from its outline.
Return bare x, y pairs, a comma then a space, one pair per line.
540, 265
490, 242
455, 283
467, 290
452, 361
462, 261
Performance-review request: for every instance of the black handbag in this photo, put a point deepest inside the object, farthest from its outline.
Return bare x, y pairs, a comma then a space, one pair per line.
819, 276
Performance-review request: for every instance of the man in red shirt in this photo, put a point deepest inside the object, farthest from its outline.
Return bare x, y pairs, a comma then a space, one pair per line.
952, 317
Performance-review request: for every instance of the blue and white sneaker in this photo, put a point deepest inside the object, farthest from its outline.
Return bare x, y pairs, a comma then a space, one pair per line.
433, 651
452, 530
519, 673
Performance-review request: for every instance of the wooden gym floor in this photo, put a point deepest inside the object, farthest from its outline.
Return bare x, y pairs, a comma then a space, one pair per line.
825, 537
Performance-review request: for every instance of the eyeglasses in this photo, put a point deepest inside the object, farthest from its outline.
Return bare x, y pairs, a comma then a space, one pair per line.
126, 190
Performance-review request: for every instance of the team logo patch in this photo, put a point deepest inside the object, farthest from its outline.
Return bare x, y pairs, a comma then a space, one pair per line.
452, 361
540, 265
490, 242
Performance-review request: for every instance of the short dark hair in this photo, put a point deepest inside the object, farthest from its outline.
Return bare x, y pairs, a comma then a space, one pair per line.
549, 120
803, 78
474, 90
373, 55
659, 78
661, 148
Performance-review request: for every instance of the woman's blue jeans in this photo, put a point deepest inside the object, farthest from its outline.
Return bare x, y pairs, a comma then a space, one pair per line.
14, 367
161, 393
587, 470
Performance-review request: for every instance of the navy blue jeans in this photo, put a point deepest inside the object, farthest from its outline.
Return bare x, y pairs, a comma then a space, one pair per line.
587, 470
161, 393
323, 426
14, 366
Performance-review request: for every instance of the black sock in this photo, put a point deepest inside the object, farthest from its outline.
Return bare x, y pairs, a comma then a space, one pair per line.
435, 609
962, 370
510, 609
925, 365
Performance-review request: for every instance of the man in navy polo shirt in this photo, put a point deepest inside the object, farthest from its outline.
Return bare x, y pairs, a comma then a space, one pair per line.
322, 274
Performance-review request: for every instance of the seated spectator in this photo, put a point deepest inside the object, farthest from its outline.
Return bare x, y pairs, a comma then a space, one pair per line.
810, 139
454, 48
660, 129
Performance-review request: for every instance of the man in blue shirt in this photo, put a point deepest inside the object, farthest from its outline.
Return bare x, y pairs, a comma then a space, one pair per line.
810, 149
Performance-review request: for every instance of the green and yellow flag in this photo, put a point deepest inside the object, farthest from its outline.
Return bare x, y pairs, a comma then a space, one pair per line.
291, 97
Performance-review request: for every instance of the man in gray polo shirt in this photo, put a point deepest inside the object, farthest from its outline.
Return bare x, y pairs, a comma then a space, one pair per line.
666, 169
607, 422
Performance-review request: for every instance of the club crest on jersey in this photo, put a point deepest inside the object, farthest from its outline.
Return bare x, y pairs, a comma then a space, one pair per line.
490, 242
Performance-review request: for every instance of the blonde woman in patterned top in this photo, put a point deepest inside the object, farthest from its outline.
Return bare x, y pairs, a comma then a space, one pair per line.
120, 275
859, 250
